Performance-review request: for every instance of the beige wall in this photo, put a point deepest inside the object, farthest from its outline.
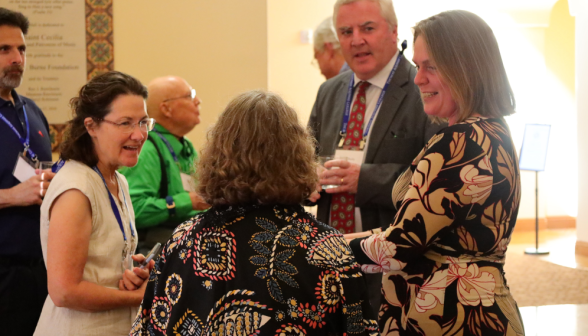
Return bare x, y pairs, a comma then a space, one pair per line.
581, 10
538, 53
560, 44
223, 48
559, 52
289, 69
537, 46
219, 47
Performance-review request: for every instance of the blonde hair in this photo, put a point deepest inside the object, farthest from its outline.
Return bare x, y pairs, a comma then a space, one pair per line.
257, 152
386, 10
466, 53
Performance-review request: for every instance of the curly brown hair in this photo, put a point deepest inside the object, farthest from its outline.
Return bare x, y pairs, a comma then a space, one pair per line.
257, 152
94, 100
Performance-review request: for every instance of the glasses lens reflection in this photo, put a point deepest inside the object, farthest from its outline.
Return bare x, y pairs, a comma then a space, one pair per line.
147, 124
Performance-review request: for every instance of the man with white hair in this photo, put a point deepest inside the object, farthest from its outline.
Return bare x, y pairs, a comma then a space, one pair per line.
161, 185
372, 116
327, 50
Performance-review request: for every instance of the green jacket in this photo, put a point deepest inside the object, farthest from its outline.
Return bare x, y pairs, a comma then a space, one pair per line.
145, 179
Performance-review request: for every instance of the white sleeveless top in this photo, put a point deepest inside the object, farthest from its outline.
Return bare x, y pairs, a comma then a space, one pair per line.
107, 255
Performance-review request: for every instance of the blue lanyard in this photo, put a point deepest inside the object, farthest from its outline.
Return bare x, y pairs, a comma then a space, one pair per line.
57, 166
350, 98
169, 146
25, 142
115, 208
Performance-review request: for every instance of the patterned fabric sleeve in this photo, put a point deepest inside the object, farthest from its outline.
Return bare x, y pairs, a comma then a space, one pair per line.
452, 175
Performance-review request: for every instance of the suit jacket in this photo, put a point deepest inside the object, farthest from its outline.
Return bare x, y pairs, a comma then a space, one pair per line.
401, 129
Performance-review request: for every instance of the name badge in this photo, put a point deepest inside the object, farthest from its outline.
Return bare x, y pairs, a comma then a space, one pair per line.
188, 182
353, 156
24, 169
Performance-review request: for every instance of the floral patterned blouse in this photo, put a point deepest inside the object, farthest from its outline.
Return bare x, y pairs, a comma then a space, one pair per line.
443, 256
255, 270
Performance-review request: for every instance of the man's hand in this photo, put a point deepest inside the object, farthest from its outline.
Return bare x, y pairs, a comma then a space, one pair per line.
316, 194
28, 192
46, 175
346, 176
198, 203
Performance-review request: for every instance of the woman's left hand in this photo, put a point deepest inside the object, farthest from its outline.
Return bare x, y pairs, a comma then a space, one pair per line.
132, 280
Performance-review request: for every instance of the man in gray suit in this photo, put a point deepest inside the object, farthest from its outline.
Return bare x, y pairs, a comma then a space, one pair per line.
391, 133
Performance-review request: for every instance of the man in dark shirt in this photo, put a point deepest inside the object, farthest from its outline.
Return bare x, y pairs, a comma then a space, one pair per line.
24, 132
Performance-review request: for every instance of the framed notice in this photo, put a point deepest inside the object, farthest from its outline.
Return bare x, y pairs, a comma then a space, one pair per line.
56, 53
69, 42
534, 149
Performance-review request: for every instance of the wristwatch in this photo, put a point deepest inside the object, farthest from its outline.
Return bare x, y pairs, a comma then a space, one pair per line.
171, 205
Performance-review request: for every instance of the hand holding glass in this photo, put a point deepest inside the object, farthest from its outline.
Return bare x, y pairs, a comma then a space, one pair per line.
322, 161
45, 165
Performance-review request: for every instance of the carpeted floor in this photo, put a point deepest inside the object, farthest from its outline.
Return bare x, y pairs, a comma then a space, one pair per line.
536, 282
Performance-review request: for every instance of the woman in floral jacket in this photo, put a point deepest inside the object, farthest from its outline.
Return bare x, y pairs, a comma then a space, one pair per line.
444, 254
256, 263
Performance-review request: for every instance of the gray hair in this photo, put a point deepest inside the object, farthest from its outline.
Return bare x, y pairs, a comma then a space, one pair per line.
386, 10
325, 33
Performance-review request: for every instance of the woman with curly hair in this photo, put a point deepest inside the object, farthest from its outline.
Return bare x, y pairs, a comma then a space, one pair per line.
256, 262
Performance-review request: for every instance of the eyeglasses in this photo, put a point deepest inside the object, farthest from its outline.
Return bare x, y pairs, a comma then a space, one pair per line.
191, 95
126, 127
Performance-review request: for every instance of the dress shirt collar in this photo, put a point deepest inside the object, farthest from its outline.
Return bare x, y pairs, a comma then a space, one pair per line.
180, 146
161, 129
344, 68
380, 78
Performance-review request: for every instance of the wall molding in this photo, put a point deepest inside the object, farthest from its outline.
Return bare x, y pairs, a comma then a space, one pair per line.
581, 248
553, 222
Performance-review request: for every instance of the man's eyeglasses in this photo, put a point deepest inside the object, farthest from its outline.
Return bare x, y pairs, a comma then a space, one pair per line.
126, 127
190, 95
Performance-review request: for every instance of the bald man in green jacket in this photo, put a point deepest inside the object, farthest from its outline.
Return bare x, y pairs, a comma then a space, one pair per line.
161, 184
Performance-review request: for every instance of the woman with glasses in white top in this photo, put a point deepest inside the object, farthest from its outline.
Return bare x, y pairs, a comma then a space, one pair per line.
88, 234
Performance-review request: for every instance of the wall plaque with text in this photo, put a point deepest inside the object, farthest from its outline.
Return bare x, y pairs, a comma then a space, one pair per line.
56, 53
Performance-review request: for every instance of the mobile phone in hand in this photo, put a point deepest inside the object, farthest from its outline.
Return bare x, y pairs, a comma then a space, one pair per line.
152, 254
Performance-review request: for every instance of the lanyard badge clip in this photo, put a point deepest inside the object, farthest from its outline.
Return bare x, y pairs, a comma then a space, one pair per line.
362, 143
342, 135
32, 155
